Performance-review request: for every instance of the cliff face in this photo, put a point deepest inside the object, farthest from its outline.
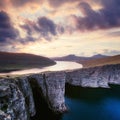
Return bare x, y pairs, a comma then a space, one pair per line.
95, 77
16, 99
52, 85
16, 94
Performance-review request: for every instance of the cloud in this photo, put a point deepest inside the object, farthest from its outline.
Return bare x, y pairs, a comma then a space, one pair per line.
20, 3
111, 52
7, 31
2, 3
27, 28
107, 17
44, 27
60, 29
58, 3
113, 34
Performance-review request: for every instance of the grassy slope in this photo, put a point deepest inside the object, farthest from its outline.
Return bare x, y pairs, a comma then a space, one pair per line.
16, 61
101, 61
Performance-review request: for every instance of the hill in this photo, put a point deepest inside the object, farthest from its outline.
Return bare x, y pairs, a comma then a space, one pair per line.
78, 58
101, 61
17, 61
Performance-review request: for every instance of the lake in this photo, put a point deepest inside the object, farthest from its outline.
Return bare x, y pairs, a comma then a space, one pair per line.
59, 66
84, 104
92, 103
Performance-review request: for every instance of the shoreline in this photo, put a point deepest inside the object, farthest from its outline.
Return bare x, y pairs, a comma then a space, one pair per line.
5, 71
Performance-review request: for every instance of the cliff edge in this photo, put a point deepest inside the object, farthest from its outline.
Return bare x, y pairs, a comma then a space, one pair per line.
17, 101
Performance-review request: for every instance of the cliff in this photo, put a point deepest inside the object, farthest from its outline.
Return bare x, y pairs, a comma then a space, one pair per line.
17, 99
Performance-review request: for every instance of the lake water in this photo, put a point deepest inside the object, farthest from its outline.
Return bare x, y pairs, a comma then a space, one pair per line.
59, 66
92, 104
84, 104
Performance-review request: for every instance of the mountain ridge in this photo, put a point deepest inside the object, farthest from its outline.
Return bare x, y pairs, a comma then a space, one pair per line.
75, 58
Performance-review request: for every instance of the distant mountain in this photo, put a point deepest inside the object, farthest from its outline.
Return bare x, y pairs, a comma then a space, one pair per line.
15, 61
99, 56
67, 58
78, 58
101, 61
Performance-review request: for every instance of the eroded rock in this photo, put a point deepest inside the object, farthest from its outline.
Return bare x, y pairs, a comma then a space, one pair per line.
52, 85
12, 103
16, 99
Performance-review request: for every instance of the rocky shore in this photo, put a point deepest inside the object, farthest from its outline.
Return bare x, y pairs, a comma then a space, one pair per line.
17, 101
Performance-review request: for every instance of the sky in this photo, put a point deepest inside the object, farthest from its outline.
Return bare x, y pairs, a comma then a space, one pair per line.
55, 28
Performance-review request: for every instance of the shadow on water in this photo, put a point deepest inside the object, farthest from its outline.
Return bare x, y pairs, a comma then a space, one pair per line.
83, 104
92, 103
91, 94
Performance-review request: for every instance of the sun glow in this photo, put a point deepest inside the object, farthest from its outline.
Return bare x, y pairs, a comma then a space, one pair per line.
58, 28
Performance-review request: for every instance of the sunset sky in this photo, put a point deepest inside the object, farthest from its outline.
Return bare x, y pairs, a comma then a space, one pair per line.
60, 27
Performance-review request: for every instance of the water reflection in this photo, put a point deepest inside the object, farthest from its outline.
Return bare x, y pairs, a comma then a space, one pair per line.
60, 65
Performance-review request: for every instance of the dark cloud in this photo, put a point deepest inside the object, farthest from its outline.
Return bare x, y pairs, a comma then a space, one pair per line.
57, 3
20, 3
7, 31
111, 12
2, 3
27, 28
44, 27
107, 17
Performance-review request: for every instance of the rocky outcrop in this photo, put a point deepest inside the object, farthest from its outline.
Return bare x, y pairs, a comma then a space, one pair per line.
95, 77
12, 103
16, 99
16, 94
52, 85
